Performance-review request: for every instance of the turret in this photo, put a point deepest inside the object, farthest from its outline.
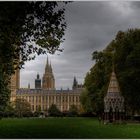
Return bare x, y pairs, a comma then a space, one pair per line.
37, 75
75, 83
29, 86
37, 82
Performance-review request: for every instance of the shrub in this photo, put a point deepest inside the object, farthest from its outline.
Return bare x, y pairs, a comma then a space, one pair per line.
54, 111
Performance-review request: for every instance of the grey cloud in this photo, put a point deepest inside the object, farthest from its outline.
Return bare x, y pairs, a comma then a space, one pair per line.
135, 4
90, 26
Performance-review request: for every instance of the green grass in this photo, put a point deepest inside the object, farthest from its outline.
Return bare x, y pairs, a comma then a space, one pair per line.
65, 128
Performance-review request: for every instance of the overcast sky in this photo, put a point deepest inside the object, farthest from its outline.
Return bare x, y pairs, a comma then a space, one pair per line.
90, 26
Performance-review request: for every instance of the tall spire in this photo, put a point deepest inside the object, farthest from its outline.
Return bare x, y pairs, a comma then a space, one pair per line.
48, 81
47, 61
50, 67
47, 68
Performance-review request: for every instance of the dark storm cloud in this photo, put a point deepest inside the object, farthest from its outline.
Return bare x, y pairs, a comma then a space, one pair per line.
91, 13
135, 4
91, 26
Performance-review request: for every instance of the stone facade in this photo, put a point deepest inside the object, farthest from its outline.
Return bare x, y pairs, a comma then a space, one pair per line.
42, 98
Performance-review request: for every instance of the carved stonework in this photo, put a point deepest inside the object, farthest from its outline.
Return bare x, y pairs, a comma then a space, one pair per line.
48, 81
43, 97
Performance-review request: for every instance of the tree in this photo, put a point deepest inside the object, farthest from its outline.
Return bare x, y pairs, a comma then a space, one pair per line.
124, 53
54, 111
96, 80
4, 90
38, 112
127, 60
73, 111
9, 110
86, 101
27, 29
27, 22
22, 108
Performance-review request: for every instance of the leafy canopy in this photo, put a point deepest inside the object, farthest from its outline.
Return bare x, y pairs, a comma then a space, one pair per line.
124, 53
27, 29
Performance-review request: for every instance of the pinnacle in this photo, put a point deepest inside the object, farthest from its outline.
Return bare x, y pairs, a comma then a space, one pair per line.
113, 87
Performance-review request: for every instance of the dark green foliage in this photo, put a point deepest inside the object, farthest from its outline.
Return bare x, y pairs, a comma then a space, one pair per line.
73, 111
127, 60
86, 102
54, 111
19, 108
4, 96
9, 111
96, 80
22, 108
38, 112
23, 23
124, 54
27, 29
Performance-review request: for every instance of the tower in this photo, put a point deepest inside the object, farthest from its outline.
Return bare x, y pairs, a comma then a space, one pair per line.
113, 101
28, 85
75, 83
37, 82
48, 81
14, 84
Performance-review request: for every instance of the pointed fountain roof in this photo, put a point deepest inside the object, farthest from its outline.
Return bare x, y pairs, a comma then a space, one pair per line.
113, 88
113, 98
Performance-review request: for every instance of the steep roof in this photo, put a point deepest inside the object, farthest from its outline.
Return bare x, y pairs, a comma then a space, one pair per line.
113, 88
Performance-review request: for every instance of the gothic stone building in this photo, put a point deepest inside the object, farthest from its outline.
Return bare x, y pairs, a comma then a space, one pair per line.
45, 94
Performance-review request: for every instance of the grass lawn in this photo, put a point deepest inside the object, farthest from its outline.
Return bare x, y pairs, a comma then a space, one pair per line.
65, 128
